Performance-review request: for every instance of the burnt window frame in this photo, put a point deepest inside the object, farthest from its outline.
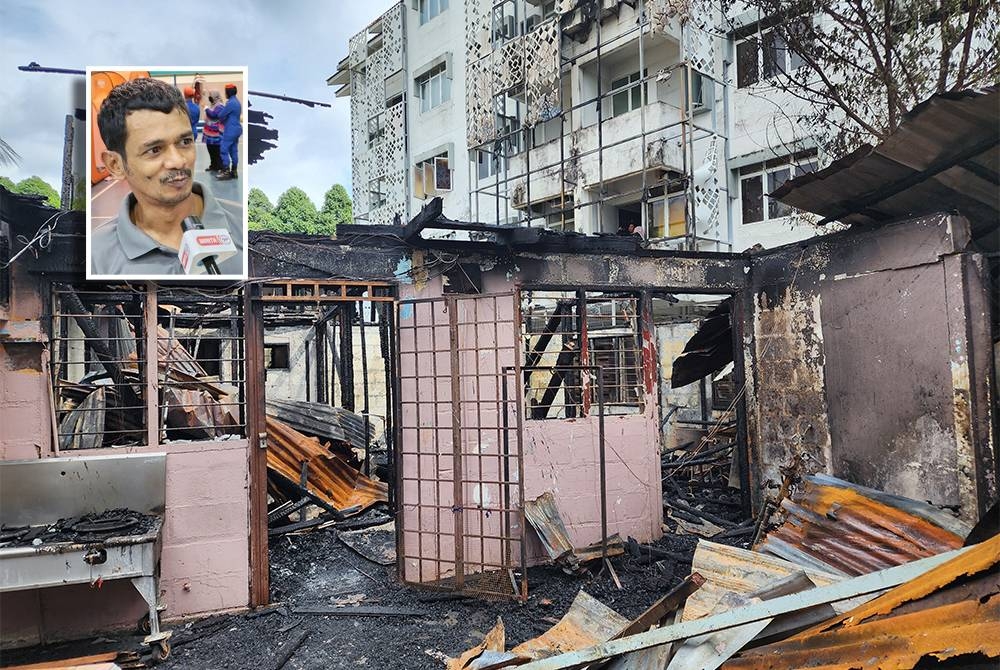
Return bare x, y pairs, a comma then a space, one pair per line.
578, 318
147, 422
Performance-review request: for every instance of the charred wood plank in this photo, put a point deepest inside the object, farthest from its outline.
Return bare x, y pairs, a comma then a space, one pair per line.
361, 610
682, 506
288, 649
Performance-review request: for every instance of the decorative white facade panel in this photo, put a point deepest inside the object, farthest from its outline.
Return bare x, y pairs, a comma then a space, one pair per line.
378, 134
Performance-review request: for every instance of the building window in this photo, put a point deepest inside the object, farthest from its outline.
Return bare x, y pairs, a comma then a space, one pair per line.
487, 164
430, 8
377, 196
554, 323
764, 54
702, 91
376, 130
631, 97
756, 181
668, 216
432, 177
434, 88
558, 213
276, 357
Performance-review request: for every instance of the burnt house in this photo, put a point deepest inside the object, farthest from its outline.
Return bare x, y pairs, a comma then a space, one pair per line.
518, 367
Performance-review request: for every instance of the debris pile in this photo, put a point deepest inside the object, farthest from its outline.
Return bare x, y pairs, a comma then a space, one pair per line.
544, 517
304, 472
859, 574
698, 493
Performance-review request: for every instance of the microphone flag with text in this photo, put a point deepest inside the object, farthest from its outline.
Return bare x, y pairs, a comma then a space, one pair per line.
202, 249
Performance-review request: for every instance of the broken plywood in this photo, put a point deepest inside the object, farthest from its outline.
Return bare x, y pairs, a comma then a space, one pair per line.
733, 570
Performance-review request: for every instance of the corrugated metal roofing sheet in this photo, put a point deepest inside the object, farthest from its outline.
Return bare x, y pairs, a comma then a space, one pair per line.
834, 523
588, 622
958, 130
733, 570
329, 476
950, 612
945, 156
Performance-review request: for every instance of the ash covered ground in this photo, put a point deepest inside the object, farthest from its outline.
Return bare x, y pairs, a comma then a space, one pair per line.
318, 569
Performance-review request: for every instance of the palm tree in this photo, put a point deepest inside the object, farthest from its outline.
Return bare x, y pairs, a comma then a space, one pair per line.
7, 154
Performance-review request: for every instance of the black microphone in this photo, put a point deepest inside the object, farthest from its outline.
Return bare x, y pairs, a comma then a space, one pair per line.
194, 223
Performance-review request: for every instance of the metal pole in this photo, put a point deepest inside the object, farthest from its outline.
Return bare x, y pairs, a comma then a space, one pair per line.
456, 446
603, 463
364, 385
66, 199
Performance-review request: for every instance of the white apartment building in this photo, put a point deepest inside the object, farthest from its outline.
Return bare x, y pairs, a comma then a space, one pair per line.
584, 115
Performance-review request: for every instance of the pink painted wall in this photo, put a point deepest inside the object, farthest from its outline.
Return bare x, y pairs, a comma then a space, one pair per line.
204, 564
24, 404
560, 455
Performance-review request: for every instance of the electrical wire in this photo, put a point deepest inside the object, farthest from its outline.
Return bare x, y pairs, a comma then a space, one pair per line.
43, 236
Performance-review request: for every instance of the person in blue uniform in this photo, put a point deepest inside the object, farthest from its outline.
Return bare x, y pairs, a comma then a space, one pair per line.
231, 131
194, 111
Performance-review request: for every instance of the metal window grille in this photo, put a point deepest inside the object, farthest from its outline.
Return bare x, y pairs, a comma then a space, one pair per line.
562, 329
97, 339
200, 364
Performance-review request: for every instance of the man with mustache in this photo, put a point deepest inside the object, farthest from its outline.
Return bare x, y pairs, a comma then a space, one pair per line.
144, 124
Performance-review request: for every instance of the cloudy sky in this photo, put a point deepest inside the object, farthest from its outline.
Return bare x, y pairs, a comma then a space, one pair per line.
290, 49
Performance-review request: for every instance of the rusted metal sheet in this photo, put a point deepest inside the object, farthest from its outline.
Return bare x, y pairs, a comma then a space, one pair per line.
935, 617
588, 622
544, 517
197, 414
324, 422
835, 523
172, 356
329, 476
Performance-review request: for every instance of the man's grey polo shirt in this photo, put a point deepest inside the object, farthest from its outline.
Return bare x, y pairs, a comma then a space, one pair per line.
119, 247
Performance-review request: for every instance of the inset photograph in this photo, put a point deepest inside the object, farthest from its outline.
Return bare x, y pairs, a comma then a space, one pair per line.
167, 194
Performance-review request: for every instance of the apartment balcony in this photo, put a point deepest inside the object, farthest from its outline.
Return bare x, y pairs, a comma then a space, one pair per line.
650, 137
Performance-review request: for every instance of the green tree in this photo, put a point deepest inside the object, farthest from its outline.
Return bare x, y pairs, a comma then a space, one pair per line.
260, 213
38, 186
79, 196
336, 209
297, 213
8, 184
